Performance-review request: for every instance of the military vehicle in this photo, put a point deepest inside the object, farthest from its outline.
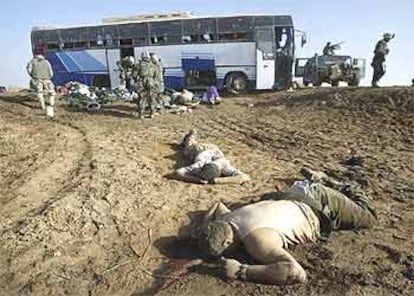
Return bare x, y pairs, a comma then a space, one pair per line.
331, 69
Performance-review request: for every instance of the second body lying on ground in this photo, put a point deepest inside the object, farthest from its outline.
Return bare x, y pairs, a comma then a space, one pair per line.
209, 165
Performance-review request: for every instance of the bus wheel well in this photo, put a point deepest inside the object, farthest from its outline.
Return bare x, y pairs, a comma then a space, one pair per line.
236, 82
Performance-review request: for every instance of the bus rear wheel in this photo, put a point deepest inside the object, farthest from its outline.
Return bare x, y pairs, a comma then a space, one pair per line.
354, 81
335, 83
237, 83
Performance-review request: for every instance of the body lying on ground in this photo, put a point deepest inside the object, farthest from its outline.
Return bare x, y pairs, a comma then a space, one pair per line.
208, 164
304, 213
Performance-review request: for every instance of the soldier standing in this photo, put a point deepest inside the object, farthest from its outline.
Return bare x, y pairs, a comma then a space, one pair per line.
380, 52
328, 49
125, 67
158, 79
144, 85
41, 73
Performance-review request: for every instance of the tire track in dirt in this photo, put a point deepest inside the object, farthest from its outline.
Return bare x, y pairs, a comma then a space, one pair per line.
47, 181
9, 186
254, 135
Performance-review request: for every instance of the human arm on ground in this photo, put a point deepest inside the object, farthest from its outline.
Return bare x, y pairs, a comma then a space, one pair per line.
183, 175
238, 179
277, 266
230, 175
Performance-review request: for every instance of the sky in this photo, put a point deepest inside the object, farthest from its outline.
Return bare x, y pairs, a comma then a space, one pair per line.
360, 23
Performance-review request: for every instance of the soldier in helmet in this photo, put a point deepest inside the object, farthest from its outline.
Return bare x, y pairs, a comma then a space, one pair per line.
41, 73
144, 84
125, 68
380, 52
159, 79
209, 165
328, 49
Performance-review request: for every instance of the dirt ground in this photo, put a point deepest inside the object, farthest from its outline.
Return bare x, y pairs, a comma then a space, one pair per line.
87, 209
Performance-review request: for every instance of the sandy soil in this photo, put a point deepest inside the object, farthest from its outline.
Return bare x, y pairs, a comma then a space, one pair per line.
86, 208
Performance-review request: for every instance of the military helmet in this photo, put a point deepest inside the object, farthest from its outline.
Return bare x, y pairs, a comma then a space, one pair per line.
130, 59
388, 36
210, 171
145, 55
217, 233
154, 58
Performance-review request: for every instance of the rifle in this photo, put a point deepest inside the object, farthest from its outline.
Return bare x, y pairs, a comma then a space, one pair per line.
337, 46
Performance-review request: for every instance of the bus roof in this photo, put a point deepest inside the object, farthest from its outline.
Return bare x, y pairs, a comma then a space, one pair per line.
157, 18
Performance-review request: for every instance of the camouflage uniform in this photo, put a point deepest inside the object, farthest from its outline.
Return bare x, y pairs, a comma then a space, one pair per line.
380, 52
328, 49
41, 73
125, 67
159, 81
202, 154
144, 86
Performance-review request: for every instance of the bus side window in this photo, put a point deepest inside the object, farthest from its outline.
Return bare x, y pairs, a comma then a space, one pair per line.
207, 37
199, 30
108, 40
99, 40
233, 36
186, 39
73, 38
264, 39
154, 40
52, 46
140, 41
61, 43
166, 32
95, 37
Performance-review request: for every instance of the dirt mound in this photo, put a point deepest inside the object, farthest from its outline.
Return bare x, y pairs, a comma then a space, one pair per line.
372, 101
86, 208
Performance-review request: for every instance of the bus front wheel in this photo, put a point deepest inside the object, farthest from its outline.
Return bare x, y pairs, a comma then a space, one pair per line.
237, 83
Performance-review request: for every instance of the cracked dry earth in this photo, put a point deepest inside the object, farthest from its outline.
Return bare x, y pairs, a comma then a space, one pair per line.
87, 209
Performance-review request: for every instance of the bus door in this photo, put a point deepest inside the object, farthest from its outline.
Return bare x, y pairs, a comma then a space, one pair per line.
284, 44
265, 58
113, 56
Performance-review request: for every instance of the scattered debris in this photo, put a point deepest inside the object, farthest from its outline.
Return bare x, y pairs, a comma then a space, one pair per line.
82, 97
354, 160
149, 244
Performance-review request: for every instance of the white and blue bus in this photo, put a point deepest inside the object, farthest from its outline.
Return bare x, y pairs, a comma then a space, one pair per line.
237, 53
